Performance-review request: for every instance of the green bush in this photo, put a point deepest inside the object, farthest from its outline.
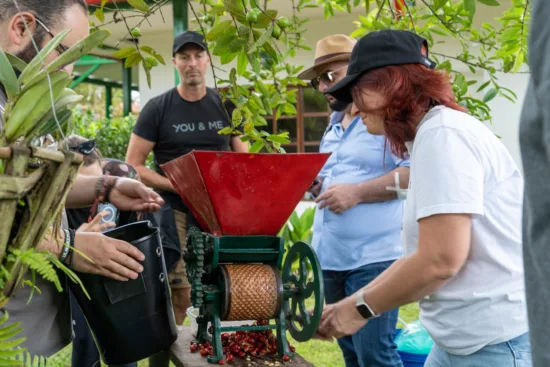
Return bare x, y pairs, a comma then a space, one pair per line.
112, 135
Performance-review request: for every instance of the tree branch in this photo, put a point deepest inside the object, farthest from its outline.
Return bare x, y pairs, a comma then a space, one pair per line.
476, 65
523, 23
410, 15
207, 49
130, 33
391, 9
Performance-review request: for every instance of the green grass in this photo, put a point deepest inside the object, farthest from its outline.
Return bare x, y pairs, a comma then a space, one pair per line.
319, 353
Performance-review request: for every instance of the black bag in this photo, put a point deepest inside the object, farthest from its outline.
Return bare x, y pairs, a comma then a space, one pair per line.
130, 320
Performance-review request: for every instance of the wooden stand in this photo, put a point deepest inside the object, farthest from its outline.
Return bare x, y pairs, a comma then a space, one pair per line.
182, 357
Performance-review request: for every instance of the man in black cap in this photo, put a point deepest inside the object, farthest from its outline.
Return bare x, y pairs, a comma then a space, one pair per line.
185, 118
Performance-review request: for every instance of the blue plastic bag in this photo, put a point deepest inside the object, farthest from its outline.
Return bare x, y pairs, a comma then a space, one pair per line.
414, 338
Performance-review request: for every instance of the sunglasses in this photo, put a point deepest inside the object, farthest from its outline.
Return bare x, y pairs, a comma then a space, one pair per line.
60, 48
85, 148
326, 77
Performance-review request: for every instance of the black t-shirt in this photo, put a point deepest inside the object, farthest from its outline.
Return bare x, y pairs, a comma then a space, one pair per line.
177, 127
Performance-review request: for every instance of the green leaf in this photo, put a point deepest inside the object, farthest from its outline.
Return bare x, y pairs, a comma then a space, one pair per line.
263, 38
126, 51
439, 4
16, 62
235, 8
219, 30
104, 2
34, 66
265, 20
278, 139
289, 109
470, 7
7, 76
80, 49
132, 60
226, 58
248, 128
483, 86
260, 121
147, 70
242, 62
154, 53
225, 131
139, 5
98, 13
491, 93
257, 146
160, 58
520, 56
256, 66
489, 2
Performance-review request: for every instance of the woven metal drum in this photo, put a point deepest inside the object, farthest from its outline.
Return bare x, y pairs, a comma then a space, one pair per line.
252, 292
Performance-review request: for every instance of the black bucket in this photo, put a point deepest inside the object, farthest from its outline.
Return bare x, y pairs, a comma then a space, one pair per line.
130, 320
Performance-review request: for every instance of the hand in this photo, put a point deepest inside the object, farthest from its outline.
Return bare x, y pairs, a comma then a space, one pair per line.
111, 258
339, 198
95, 225
340, 319
132, 195
315, 189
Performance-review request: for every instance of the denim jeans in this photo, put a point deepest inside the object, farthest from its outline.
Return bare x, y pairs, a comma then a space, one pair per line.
513, 353
372, 345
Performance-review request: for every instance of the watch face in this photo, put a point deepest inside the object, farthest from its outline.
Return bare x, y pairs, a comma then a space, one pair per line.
364, 311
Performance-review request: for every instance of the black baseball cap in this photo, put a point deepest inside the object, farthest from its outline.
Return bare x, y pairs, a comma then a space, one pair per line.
378, 49
188, 37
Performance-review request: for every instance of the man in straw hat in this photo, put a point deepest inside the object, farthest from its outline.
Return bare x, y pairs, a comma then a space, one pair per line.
358, 221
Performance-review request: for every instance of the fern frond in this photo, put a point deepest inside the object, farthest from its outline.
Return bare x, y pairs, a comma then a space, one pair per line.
9, 332
39, 262
72, 276
11, 363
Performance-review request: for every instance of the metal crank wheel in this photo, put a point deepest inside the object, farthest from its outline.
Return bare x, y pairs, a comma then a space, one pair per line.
302, 279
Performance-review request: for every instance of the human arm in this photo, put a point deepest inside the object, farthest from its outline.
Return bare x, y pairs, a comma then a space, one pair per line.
109, 257
443, 247
341, 197
238, 146
127, 194
136, 155
142, 142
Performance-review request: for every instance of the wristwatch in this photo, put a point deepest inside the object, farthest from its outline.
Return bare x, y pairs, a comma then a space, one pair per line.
363, 308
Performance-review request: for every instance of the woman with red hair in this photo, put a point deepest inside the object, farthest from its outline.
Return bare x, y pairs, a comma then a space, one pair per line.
462, 220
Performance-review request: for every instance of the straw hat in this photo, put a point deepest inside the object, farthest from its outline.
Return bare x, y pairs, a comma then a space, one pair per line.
337, 47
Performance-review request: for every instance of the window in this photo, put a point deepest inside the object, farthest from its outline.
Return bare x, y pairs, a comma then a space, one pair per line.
307, 127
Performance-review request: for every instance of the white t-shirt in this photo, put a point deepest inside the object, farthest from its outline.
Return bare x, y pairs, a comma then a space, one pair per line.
459, 166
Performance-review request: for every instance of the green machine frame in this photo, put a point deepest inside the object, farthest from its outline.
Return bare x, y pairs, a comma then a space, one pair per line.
300, 275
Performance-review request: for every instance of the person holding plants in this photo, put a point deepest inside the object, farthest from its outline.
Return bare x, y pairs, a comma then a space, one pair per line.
46, 321
357, 221
462, 220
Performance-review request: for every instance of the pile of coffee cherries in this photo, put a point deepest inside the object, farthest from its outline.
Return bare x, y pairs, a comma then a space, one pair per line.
244, 344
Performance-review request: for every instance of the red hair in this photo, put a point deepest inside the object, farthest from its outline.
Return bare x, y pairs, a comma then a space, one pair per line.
409, 91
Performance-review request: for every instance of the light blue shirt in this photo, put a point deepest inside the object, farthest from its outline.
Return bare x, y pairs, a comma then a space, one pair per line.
369, 232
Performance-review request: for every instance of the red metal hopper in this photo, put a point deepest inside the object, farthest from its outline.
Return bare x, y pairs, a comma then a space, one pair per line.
243, 193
